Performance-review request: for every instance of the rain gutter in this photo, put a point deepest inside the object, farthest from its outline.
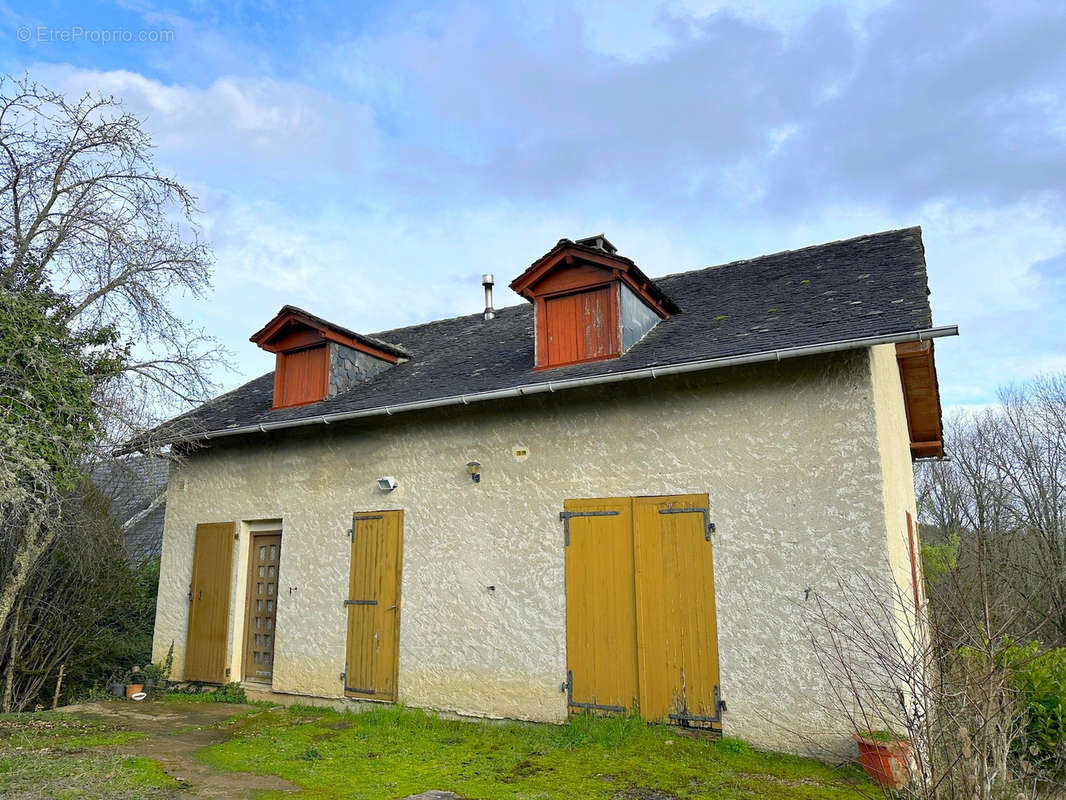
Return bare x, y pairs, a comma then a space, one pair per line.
920, 335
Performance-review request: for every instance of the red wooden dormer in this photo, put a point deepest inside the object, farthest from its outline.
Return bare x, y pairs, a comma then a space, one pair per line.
589, 302
316, 359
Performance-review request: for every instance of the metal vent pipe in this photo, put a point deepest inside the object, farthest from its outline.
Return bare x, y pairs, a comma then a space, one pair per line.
487, 282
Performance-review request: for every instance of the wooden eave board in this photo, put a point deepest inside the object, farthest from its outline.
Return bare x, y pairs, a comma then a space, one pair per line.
921, 396
287, 318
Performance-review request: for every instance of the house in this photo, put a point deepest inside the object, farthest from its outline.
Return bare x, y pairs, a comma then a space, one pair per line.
617, 495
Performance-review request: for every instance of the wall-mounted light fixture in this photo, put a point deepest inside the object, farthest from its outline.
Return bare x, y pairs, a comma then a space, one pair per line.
474, 468
387, 484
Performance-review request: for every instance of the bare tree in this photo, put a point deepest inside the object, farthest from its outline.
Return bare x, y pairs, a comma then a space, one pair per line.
949, 678
82, 203
1003, 494
95, 245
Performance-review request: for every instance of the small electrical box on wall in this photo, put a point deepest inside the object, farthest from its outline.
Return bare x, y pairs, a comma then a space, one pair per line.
520, 452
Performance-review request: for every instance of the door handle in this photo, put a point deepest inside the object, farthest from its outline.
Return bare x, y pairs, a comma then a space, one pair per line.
392, 608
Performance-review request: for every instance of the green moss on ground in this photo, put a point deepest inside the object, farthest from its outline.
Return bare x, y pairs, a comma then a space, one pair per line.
94, 776
392, 752
48, 756
58, 732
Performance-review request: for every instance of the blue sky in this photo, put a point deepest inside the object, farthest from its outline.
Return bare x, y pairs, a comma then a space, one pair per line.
369, 163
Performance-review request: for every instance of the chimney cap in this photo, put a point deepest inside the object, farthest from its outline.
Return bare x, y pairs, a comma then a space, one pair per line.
487, 279
599, 242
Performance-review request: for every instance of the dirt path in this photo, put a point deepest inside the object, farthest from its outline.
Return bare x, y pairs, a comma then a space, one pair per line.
173, 734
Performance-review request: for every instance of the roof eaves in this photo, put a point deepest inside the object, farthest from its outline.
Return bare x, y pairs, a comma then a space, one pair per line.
923, 334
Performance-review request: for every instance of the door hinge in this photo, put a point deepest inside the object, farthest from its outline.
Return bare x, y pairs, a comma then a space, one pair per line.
708, 526
593, 706
565, 516
719, 706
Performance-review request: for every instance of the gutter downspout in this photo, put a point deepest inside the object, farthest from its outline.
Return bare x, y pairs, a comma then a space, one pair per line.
921, 335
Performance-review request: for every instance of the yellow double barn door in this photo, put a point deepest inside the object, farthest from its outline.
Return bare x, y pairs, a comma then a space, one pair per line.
641, 629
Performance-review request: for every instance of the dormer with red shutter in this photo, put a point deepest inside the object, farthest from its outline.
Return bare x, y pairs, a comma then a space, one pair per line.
590, 304
316, 360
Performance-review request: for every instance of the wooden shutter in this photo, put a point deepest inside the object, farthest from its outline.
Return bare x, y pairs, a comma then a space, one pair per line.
916, 559
601, 630
676, 619
301, 376
205, 646
581, 327
374, 605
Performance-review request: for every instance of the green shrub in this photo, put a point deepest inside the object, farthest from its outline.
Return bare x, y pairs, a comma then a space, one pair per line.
230, 693
938, 560
1041, 679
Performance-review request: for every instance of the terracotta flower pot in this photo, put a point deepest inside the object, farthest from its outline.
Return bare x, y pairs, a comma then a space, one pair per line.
885, 762
132, 689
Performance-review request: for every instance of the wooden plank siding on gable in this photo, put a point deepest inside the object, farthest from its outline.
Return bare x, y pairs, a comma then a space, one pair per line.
301, 376
582, 326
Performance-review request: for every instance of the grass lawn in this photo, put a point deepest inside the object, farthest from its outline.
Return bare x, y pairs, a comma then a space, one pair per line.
384, 753
50, 755
393, 752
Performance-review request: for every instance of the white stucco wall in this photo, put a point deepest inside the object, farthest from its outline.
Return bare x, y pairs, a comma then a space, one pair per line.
790, 454
897, 473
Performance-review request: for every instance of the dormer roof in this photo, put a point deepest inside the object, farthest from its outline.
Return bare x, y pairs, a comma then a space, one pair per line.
590, 252
291, 326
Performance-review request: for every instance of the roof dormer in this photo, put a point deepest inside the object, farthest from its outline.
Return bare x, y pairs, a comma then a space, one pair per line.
589, 302
316, 360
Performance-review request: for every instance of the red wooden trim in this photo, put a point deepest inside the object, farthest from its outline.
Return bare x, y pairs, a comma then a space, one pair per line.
355, 344
914, 564
568, 253
267, 338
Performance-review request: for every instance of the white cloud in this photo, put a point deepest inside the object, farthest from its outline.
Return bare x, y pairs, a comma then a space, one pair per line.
374, 177
280, 127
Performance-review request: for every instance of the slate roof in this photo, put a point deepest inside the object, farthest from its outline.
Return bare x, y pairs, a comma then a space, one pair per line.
137, 490
868, 286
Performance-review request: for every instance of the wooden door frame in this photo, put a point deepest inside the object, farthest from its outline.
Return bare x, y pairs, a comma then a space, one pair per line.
246, 651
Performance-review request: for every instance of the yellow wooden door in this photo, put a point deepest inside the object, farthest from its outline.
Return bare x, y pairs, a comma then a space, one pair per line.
677, 628
601, 643
373, 605
209, 596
